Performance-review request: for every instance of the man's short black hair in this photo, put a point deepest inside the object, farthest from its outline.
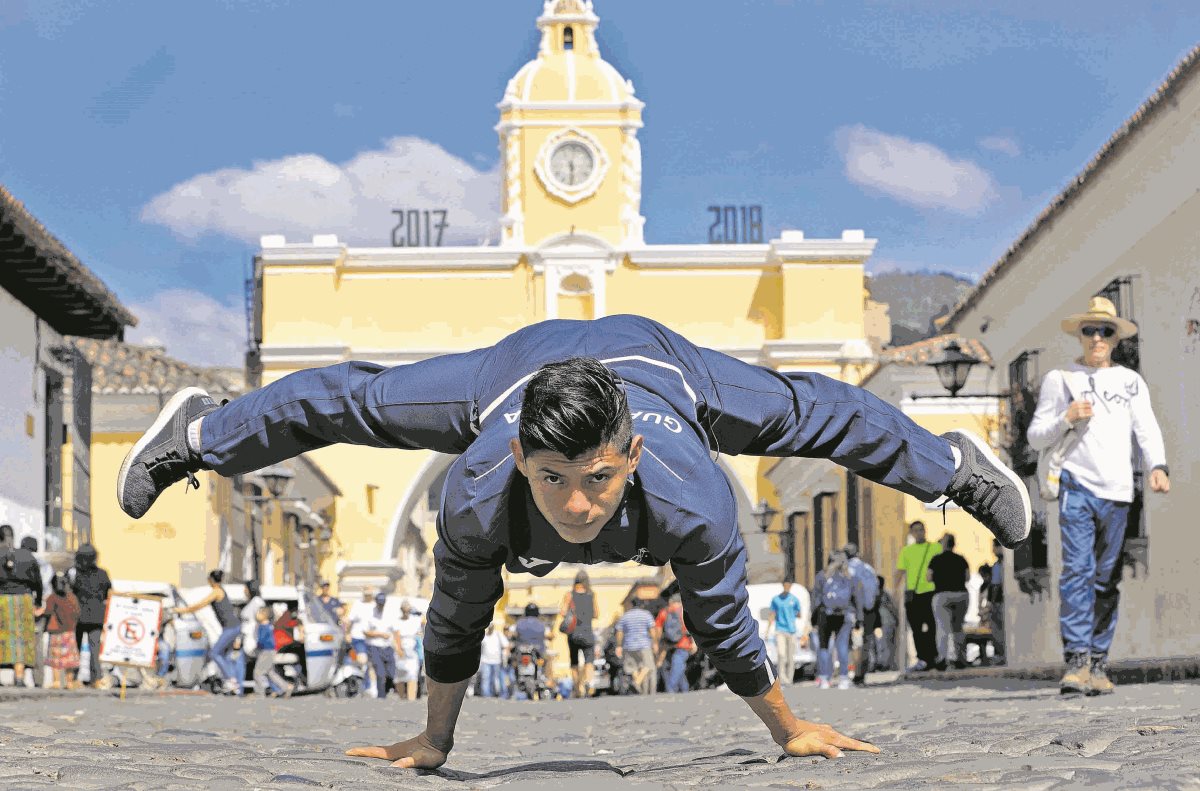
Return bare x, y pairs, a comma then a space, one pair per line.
573, 406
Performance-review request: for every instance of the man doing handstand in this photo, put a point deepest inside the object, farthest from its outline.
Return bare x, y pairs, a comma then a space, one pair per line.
582, 442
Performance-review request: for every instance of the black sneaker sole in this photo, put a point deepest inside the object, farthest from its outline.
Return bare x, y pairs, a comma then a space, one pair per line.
986, 452
164, 416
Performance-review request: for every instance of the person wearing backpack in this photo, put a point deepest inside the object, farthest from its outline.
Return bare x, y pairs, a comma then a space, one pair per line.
91, 585
676, 645
866, 582
836, 609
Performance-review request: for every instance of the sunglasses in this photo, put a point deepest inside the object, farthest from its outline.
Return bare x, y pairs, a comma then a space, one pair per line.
1103, 330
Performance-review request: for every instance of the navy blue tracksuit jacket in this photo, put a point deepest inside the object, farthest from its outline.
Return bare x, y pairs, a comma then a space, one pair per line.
689, 403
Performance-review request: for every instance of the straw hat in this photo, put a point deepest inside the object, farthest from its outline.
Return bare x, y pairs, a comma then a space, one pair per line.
1100, 311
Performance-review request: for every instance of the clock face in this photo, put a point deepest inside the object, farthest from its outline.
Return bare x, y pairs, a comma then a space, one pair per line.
572, 163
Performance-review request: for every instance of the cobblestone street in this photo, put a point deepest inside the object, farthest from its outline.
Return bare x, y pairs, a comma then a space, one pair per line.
941, 734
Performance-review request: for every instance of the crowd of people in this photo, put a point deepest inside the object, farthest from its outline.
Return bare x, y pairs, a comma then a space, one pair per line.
47, 618
935, 582
645, 647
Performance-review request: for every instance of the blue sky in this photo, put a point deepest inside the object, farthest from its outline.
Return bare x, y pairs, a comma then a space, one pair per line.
153, 137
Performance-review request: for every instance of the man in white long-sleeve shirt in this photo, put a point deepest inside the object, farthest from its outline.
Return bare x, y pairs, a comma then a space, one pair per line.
1109, 405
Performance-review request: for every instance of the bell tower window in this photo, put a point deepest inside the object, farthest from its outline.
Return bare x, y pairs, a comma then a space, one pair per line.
568, 38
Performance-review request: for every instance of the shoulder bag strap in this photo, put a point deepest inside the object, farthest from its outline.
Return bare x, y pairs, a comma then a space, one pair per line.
924, 564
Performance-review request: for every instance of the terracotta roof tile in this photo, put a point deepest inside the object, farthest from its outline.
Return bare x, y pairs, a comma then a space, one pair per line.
930, 349
128, 368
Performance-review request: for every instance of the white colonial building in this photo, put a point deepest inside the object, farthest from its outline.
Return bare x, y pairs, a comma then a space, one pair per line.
1127, 227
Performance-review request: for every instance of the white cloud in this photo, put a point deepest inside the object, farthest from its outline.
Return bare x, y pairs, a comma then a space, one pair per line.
916, 173
192, 326
305, 194
1005, 145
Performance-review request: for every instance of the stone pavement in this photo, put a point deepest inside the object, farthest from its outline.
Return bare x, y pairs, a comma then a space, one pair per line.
941, 734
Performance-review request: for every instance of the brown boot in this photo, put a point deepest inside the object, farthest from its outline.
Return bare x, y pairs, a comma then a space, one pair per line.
1079, 673
1100, 683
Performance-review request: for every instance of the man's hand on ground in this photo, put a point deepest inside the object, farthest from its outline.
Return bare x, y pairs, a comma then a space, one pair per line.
813, 738
415, 753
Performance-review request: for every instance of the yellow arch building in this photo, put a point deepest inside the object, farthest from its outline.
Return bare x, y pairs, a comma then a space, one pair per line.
571, 246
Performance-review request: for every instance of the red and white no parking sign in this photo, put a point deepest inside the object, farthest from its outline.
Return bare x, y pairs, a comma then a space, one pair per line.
131, 629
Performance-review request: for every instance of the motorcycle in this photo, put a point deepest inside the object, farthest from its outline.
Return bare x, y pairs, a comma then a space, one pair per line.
529, 666
700, 672
611, 675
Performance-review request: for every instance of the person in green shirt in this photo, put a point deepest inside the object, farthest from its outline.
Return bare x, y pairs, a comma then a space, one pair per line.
911, 571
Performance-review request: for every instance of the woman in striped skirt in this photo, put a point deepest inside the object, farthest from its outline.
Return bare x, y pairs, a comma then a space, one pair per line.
20, 596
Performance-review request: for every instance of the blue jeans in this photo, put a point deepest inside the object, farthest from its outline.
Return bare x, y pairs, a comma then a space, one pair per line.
834, 632
677, 670
1093, 533
164, 658
383, 662
492, 682
509, 678
233, 669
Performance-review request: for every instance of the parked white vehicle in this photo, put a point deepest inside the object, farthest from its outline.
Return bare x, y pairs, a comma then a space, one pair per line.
320, 666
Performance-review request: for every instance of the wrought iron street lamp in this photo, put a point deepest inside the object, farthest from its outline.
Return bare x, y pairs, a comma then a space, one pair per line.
954, 367
764, 514
278, 480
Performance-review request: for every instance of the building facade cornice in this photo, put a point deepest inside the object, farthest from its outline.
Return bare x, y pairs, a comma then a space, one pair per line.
778, 253
837, 350
724, 256
771, 353
277, 252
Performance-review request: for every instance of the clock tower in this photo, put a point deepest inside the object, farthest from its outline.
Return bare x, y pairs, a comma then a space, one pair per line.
570, 158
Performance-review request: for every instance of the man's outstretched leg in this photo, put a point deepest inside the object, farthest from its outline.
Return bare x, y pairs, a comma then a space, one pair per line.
760, 412
425, 405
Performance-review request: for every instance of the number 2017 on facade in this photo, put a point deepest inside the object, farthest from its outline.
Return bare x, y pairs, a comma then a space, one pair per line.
415, 228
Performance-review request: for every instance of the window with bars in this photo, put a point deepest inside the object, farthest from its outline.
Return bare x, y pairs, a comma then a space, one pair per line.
859, 516
1119, 291
1024, 382
825, 528
852, 508
1031, 559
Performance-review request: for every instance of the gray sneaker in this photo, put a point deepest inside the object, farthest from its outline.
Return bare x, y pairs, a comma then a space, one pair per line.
161, 457
988, 490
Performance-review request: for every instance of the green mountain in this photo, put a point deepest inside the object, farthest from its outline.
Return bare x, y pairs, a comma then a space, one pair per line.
915, 299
